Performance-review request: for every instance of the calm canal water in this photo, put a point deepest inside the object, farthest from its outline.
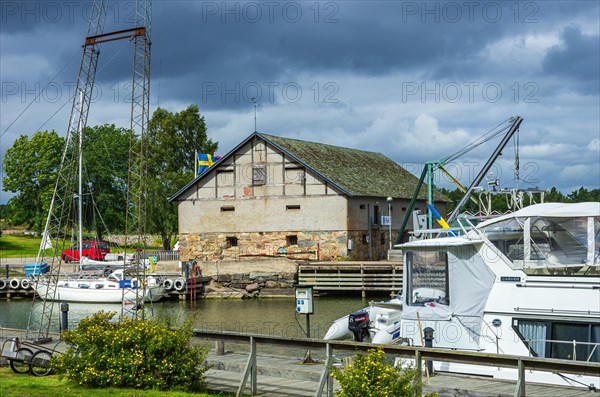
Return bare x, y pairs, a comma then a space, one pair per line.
272, 316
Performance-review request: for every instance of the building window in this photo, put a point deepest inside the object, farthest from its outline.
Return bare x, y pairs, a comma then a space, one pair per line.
291, 240
259, 175
232, 242
376, 215
362, 207
226, 208
365, 239
292, 207
382, 239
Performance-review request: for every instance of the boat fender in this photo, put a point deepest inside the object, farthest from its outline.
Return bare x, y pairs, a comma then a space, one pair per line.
179, 284
25, 283
2, 284
168, 284
14, 283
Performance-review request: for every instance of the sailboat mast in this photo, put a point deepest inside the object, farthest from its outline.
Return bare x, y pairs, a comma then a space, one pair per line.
79, 197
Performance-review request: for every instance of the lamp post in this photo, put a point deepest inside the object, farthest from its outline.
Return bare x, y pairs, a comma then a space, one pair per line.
389, 201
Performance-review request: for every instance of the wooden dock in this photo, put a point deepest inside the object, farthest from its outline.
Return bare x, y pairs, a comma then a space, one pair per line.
264, 373
383, 276
287, 376
249, 366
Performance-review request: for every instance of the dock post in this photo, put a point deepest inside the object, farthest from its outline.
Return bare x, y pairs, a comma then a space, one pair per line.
326, 375
428, 337
64, 324
249, 371
219, 347
520, 390
419, 368
254, 373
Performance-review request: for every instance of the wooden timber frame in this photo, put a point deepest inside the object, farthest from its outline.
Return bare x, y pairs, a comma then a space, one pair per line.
418, 353
352, 276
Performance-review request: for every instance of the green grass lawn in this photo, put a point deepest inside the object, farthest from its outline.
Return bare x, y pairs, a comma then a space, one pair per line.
19, 246
18, 385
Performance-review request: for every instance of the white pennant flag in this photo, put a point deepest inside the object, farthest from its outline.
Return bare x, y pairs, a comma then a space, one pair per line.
46, 241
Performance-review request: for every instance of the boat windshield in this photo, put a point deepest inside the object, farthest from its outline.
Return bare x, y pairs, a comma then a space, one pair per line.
535, 243
427, 278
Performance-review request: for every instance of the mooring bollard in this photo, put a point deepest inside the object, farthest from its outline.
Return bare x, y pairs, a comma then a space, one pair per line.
64, 308
219, 348
428, 337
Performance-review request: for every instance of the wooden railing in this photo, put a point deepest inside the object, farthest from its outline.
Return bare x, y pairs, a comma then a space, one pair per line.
418, 353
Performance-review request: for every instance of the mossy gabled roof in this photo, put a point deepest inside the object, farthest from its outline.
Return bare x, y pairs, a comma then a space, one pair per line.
359, 173
354, 172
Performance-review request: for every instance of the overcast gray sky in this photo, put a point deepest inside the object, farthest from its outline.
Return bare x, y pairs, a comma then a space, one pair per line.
414, 80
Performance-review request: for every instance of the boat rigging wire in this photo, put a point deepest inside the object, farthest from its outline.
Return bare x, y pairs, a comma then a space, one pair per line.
69, 100
41, 91
491, 134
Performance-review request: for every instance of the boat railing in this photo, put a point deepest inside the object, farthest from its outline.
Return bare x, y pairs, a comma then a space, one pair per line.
574, 343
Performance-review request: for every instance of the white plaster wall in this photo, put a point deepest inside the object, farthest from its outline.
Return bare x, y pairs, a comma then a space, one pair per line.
319, 213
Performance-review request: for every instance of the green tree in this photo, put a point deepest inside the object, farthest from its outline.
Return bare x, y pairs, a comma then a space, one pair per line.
105, 158
172, 141
582, 194
30, 167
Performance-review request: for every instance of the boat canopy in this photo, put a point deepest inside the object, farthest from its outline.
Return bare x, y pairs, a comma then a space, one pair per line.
557, 236
551, 210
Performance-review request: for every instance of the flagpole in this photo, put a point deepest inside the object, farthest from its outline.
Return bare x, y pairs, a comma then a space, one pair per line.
195, 164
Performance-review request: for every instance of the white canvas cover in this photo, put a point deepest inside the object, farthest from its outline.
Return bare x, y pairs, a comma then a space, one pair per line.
470, 282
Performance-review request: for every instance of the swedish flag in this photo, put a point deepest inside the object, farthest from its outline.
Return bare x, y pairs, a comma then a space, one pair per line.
205, 161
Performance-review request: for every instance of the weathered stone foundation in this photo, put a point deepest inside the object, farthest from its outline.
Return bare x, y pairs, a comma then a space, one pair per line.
236, 246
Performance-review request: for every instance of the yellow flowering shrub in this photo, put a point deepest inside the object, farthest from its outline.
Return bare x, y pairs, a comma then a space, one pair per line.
131, 354
370, 375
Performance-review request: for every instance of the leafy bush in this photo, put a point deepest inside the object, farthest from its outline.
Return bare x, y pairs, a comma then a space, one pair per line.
371, 375
133, 354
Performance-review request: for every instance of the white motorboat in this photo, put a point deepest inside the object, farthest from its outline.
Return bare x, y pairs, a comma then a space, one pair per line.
112, 289
376, 316
527, 283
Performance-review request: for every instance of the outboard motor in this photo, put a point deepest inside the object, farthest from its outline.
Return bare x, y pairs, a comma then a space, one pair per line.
358, 324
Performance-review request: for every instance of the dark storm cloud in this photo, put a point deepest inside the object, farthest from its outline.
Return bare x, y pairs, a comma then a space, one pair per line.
198, 47
217, 53
576, 60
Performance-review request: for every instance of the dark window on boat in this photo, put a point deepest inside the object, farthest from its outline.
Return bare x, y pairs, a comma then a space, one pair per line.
569, 332
554, 339
292, 207
291, 240
232, 242
427, 278
227, 208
